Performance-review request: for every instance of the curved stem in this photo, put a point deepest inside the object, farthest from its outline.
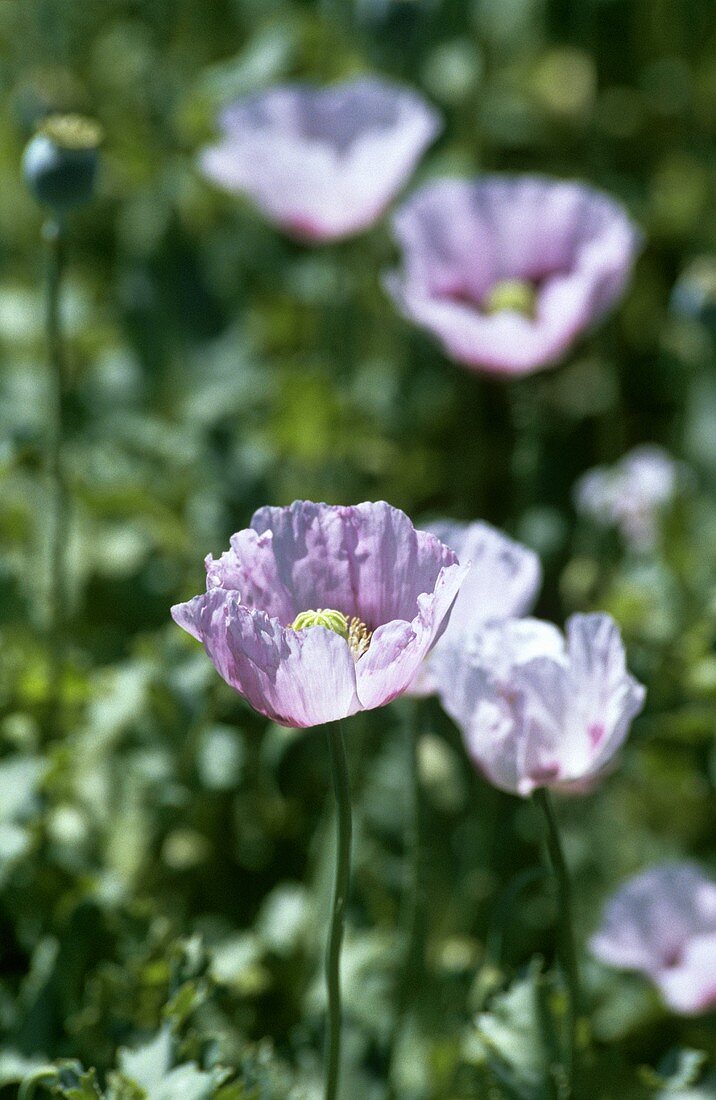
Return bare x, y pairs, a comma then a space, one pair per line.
341, 786
53, 233
46, 1075
567, 948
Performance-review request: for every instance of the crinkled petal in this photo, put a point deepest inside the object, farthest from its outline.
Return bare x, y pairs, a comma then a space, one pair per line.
296, 678
544, 687
300, 678
448, 248
206, 618
476, 681
250, 568
492, 744
461, 237
188, 616
605, 697
500, 343
365, 560
576, 715
397, 151
504, 576
647, 924
269, 173
323, 162
468, 666
559, 228
690, 986
398, 648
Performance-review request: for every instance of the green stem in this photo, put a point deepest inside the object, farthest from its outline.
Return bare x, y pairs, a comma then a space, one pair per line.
526, 444
47, 1075
341, 786
505, 910
57, 513
414, 916
548, 1035
567, 948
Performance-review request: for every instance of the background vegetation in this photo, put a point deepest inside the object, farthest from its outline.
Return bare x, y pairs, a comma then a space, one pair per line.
165, 857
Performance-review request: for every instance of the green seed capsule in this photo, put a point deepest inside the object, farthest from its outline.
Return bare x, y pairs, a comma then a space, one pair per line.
332, 620
61, 161
513, 295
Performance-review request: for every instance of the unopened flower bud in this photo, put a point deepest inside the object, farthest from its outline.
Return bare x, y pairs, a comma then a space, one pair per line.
61, 161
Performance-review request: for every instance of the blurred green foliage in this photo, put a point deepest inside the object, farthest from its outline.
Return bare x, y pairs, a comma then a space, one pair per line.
165, 864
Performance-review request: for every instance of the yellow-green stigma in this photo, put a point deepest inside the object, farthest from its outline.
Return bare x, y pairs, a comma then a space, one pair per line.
323, 616
72, 131
355, 632
514, 295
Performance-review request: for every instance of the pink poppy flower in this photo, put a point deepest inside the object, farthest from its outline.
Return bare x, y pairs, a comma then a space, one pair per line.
536, 709
632, 494
319, 611
662, 923
503, 583
322, 163
508, 272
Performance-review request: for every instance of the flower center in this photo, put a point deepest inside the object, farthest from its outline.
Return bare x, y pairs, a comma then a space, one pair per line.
323, 616
355, 632
512, 295
359, 637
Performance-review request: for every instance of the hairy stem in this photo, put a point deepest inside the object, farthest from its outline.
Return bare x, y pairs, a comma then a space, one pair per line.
341, 786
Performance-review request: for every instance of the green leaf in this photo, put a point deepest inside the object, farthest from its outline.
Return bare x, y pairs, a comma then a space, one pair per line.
678, 1070
516, 1037
148, 1065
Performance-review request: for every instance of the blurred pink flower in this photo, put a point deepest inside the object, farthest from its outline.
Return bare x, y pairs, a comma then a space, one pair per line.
536, 710
662, 923
392, 587
323, 163
508, 272
631, 494
502, 583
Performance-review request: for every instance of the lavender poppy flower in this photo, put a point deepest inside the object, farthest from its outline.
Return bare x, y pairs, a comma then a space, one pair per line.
323, 163
632, 494
503, 583
537, 710
508, 272
319, 611
662, 923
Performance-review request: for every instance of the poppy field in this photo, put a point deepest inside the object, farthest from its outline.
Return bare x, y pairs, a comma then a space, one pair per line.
358, 550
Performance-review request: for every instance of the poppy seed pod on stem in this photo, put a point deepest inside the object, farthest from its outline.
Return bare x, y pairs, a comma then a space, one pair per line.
61, 161
60, 166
